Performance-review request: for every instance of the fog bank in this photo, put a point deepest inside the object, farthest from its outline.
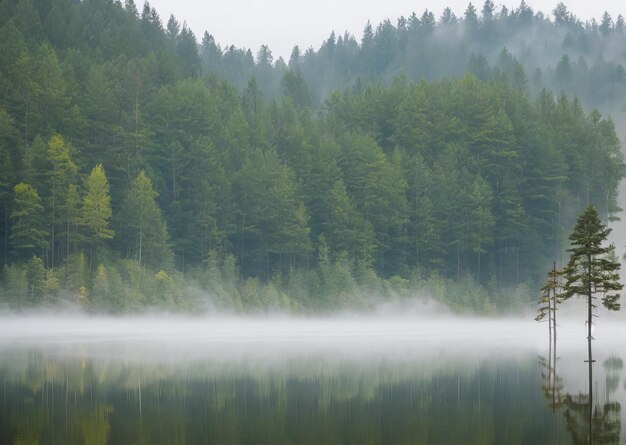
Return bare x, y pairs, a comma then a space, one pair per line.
226, 338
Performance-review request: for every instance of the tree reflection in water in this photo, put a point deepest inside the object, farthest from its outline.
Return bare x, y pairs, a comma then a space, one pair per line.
605, 425
75, 397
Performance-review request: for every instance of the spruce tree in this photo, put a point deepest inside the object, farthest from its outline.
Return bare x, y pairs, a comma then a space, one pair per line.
96, 210
28, 234
61, 175
592, 271
147, 233
551, 297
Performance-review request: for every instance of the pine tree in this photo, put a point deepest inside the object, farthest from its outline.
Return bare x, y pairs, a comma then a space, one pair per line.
471, 18
481, 222
28, 234
96, 210
72, 217
147, 230
62, 175
8, 143
551, 297
592, 270
295, 87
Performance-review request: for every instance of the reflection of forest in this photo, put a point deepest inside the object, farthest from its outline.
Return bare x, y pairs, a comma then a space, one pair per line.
76, 400
605, 426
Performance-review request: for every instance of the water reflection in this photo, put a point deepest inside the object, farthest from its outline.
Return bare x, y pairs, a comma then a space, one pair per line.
348, 382
588, 420
67, 396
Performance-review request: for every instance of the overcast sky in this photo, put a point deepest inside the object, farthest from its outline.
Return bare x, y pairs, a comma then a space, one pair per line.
281, 24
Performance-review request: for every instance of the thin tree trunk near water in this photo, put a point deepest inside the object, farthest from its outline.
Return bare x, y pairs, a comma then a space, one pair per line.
590, 358
554, 359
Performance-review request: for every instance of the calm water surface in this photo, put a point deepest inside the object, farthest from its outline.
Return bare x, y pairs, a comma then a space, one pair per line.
285, 381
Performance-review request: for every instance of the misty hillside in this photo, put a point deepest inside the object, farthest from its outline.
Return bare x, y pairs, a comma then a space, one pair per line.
532, 49
140, 168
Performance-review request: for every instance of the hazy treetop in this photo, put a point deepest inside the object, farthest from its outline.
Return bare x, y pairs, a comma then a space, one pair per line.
281, 24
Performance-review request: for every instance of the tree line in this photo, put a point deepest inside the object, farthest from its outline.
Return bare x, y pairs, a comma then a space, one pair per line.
532, 49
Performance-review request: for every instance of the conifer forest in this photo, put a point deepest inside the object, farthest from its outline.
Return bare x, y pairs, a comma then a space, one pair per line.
142, 165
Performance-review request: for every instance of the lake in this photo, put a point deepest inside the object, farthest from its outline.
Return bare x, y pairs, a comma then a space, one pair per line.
279, 380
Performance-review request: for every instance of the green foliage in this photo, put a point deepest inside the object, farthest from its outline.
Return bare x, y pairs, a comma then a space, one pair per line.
28, 234
551, 296
96, 210
147, 235
35, 275
62, 191
273, 221
295, 87
592, 268
298, 186
27, 285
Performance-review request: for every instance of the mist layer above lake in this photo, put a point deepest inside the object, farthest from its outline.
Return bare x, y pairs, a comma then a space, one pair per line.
289, 336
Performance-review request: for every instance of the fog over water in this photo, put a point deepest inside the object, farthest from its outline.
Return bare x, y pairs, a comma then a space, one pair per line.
349, 336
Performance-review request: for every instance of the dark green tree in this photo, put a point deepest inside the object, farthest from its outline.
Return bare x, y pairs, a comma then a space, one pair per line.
592, 272
481, 221
294, 86
471, 17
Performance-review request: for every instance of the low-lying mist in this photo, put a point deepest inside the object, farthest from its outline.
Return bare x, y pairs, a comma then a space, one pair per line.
393, 344
401, 328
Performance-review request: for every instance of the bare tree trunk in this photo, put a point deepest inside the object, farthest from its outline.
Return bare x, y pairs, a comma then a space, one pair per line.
550, 369
139, 255
243, 224
554, 383
140, 243
553, 300
67, 244
590, 361
458, 261
90, 255
53, 215
6, 232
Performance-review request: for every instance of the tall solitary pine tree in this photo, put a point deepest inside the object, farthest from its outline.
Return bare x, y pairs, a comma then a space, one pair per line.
592, 272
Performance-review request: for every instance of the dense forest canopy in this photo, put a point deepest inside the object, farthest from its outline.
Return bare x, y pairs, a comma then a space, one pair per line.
442, 153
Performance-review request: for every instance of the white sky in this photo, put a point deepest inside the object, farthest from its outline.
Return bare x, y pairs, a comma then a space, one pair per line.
281, 24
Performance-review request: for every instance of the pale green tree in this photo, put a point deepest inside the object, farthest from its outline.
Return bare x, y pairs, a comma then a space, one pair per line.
147, 233
63, 173
96, 210
28, 233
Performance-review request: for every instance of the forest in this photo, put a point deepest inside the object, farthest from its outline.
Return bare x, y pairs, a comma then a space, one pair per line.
449, 157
